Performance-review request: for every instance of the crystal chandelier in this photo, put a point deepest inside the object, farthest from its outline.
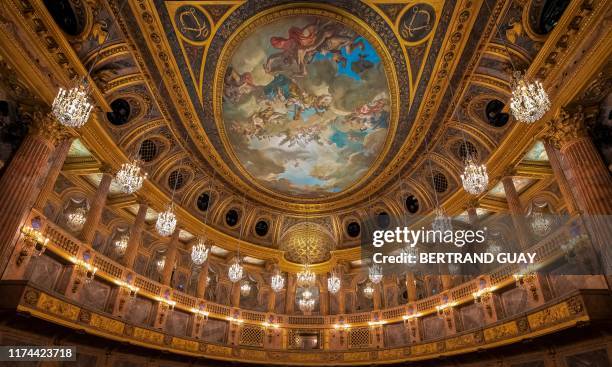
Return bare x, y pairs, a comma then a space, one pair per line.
375, 273
306, 305
368, 290
277, 282
333, 283
307, 294
540, 223
306, 277
199, 252
475, 178
245, 288
441, 222
72, 107
160, 264
166, 222
234, 272
121, 244
129, 177
529, 100
77, 218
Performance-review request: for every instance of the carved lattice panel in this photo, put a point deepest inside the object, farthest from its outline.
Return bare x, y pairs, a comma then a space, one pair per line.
252, 336
359, 338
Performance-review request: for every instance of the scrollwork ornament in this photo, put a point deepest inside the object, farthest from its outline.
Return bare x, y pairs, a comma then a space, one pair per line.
566, 127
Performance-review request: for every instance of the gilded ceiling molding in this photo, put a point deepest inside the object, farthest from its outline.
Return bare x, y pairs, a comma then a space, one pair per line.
473, 131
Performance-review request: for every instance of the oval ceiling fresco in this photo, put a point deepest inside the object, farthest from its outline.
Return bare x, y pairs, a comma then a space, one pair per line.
305, 106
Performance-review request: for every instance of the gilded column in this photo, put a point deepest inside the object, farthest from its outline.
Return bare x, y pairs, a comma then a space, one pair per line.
170, 258
202, 281
59, 157
516, 211
135, 235
20, 183
564, 186
588, 177
97, 206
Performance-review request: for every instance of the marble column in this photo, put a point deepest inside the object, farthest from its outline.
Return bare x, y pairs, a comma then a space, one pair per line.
324, 301
20, 183
290, 294
471, 207
135, 235
202, 281
516, 211
171, 256
555, 163
588, 177
411, 286
96, 207
59, 157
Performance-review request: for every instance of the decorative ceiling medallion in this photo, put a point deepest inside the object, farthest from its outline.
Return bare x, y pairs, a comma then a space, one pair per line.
306, 101
307, 243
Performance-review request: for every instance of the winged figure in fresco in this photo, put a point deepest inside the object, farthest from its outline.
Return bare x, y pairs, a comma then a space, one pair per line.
236, 85
369, 116
303, 44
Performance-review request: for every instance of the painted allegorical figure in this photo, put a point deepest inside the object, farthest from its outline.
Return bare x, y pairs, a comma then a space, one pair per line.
306, 105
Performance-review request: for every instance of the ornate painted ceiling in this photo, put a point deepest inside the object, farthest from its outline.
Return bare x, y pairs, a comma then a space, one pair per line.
278, 115
304, 107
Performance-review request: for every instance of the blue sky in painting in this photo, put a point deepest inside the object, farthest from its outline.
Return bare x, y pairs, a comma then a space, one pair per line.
368, 51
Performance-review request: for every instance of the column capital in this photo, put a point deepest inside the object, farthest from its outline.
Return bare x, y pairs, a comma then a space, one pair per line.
43, 124
471, 204
106, 168
143, 201
566, 127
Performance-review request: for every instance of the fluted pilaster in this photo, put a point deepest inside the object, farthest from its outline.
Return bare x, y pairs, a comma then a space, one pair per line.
202, 281
135, 235
564, 186
170, 258
20, 183
516, 211
97, 206
59, 157
587, 176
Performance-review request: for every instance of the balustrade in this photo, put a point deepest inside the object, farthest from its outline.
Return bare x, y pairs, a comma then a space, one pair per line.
347, 330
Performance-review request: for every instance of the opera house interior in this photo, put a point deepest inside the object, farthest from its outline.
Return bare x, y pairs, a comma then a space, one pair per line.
198, 183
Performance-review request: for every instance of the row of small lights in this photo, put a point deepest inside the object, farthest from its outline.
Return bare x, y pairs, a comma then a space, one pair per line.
133, 290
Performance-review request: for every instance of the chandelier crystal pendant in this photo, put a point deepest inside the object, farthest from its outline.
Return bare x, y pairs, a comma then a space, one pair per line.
199, 252
160, 264
441, 222
245, 288
166, 222
277, 282
306, 305
235, 271
375, 274
541, 224
306, 277
475, 178
368, 290
529, 100
121, 244
77, 218
130, 177
72, 107
333, 283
